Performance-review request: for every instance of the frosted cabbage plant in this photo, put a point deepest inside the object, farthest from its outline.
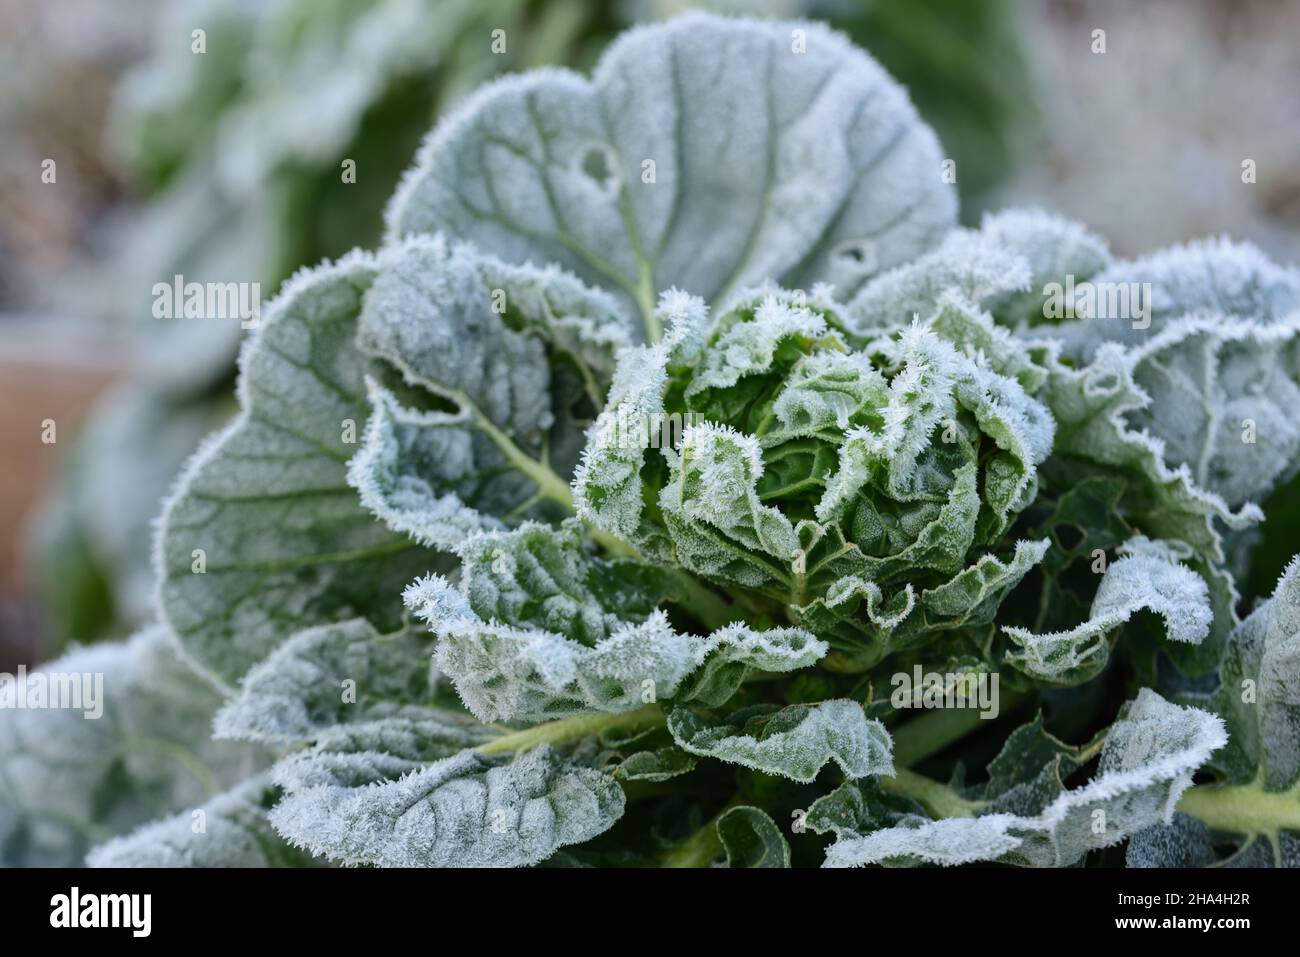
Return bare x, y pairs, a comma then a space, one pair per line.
600, 516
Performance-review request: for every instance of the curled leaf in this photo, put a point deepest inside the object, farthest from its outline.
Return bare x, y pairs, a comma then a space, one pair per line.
1223, 393
1146, 764
750, 838
541, 628
1148, 576
794, 742
503, 367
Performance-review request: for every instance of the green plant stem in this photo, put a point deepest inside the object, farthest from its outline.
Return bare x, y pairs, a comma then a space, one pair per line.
645, 297
1242, 809
612, 544
549, 484
937, 798
571, 729
183, 756
702, 847
710, 608
706, 605
933, 731
927, 735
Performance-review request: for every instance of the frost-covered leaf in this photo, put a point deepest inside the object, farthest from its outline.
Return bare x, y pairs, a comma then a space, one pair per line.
857, 612
1148, 576
1158, 497
954, 840
412, 461
231, 830
939, 401
608, 487
856, 807
466, 810
507, 366
1177, 412
1223, 396
794, 742
799, 166
840, 482
263, 536
1147, 762
971, 597
1234, 278
68, 781
711, 506
733, 652
1029, 773
974, 332
662, 764
264, 528
965, 264
1090, 406
750, 838
1207, 277
329, 675
1052, 247
738, 349
390, 746
1255, 802
1183, 842
727, 533
541, 628
1003, 266
823, 394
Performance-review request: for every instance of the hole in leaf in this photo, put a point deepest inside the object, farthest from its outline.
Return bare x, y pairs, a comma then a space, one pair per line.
598, 164
857, 254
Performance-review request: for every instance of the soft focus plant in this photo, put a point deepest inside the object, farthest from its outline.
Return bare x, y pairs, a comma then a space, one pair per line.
598, 516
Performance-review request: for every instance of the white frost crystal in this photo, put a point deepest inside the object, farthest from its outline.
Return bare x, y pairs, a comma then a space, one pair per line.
1146, 764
